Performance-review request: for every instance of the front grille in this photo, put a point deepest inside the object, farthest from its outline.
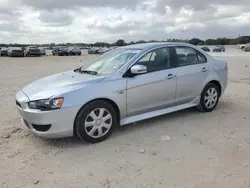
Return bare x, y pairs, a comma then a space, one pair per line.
18, 104
34, 50
17, 51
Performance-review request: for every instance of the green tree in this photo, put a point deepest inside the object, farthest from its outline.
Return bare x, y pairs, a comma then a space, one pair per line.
120, 42
210, 42
196, 41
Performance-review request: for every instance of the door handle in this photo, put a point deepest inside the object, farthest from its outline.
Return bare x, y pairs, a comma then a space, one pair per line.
170, 76
204, 69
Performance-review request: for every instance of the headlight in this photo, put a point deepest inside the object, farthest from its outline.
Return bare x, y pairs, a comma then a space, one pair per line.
47, 104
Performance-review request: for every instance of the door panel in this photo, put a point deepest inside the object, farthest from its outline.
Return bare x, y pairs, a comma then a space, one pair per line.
155, 89
150, 91
190, 82
192, 72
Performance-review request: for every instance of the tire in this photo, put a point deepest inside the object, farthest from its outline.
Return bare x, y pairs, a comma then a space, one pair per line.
97, 123
210, 93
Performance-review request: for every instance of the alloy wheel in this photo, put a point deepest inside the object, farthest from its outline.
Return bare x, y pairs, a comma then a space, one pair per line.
211, 98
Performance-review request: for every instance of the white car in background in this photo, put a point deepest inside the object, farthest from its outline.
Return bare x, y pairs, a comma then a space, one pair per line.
103, 50
42, 50
247, 47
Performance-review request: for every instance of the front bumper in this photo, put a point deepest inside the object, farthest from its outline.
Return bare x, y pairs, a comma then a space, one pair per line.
61, 121
34, 53
63, 53
17, 54
4, 54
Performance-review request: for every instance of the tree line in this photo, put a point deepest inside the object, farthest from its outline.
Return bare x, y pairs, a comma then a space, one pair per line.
121, 42
197, 41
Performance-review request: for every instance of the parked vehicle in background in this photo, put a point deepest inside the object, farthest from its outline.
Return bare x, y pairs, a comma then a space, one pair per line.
75, 50
15, 52
242, 47
205, 48
4, 51
93, 50
32, 51
42, 50
85, 48
60, 51
103, 50
219, 48
247, 47
116, 89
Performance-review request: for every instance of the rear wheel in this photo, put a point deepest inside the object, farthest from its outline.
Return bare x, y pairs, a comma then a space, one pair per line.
209, 98
95, 122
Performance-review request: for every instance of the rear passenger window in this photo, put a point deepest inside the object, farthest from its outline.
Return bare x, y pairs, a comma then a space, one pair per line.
186, 56
201, 57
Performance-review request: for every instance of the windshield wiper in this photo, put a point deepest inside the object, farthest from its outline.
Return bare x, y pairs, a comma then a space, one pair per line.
89, 72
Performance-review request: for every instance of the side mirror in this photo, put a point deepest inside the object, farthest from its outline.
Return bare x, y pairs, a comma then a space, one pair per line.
138, 69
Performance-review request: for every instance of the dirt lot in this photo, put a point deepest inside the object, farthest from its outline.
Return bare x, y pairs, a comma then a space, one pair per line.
183, 149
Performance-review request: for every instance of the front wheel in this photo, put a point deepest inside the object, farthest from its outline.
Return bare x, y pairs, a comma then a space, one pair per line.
209, 98
95, 122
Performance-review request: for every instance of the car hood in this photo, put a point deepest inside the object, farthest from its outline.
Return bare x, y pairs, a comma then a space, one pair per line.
57, 84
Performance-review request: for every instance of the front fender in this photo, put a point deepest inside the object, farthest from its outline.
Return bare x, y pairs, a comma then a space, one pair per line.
114, 90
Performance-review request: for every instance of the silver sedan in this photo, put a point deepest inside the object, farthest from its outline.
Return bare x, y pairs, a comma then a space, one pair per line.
125, 85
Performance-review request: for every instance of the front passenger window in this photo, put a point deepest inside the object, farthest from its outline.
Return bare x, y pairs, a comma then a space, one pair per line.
146, 58
156, 60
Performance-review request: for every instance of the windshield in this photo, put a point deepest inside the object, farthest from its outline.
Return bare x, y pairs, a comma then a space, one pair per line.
111, 62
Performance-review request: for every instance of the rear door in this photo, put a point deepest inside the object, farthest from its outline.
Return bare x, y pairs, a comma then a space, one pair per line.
192, 73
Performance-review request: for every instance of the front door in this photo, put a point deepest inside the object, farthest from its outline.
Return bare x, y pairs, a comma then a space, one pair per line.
155, 89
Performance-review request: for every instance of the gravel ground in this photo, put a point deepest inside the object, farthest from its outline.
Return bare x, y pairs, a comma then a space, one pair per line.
182, 149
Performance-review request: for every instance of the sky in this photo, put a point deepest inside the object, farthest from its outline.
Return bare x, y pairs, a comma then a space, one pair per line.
89, 21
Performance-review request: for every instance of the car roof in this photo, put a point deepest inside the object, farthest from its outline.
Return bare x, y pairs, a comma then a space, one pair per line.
148, 46
145, 46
